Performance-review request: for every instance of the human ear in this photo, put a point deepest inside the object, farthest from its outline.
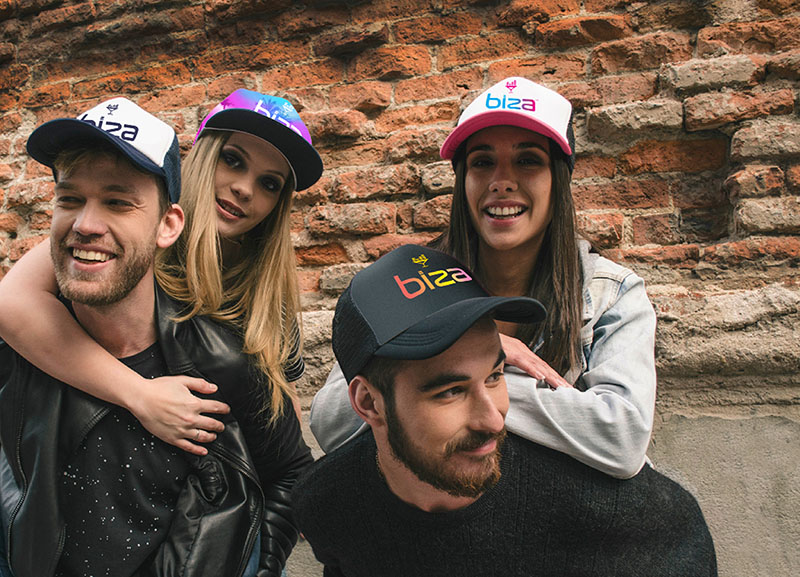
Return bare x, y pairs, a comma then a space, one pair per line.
367, 401
170, 227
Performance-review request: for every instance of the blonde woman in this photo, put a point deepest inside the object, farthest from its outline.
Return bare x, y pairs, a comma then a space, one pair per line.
234, 262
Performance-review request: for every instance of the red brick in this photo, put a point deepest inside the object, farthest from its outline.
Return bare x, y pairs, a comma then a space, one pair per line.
593, 166
701, 191
7, 174
40, 220
605, 5
376, 182
357, 154
365, 218
793, 178
134, 82
416, 144
602, 230
368, 97
269, 54
175, 98
707, 111
11, 222
641, 52
521, 12
571, 32
502, 44
754, 249
308, 280
314, 194
29, 194
321, 254
434, 213
405, 216
437, 28
328, 71
67, 17
755, 181
390, 62
777, 6
46, 95
675, 14
19, 246
295, 22
14, 76
335, 125
785, 65
351, 41
377, 10
232, 9
676, 256
377, 246
397, 118
749, 37
10, 122
453, 84
611, 90
624, 194
541, 69
655, 229
686, 156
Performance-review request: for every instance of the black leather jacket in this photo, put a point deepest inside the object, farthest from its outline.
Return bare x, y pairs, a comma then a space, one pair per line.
241, 486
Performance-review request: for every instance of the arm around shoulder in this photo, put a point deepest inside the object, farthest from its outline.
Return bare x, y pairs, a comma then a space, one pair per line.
606, 421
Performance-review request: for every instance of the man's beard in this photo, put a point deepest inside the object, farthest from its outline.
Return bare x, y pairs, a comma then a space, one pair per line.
434, 470
91, 290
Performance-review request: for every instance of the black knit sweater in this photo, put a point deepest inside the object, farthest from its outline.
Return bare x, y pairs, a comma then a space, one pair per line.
548, 515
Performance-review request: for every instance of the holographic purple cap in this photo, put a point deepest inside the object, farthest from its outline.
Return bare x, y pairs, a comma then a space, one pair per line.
273, 119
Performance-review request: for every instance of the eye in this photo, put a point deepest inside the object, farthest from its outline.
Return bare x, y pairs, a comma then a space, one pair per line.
449, 393
66, 200
271, 183
495, 378
232, 159
119, 203
480, 161
533, 159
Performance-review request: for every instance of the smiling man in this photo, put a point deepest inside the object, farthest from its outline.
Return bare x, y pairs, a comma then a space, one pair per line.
436, 486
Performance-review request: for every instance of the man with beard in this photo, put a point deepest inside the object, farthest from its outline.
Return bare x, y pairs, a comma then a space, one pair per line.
437, 487
86, 489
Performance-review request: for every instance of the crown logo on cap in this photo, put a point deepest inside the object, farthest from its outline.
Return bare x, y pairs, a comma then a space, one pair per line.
421, 259
511, 85
112, 108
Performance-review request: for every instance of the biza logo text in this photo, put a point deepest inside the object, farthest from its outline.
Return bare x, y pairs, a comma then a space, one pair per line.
124, 131
413, 287
509, 103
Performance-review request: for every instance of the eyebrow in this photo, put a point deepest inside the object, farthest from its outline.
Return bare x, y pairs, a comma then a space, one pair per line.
519, 145
116, 188
443, 379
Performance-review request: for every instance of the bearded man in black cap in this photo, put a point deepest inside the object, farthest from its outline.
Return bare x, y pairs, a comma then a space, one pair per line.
437, 487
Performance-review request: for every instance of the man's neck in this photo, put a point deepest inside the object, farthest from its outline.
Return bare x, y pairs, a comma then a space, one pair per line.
126, 327
409, 488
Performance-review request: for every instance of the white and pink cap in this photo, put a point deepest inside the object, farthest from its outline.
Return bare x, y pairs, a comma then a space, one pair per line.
516, 101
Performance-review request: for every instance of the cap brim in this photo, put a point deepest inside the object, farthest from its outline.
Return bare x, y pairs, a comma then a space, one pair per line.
303, 158
47, 141
498, 118
437, 332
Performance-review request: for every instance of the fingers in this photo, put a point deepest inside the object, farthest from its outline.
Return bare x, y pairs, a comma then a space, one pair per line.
199, 385
209, 424
211, 406
191, 448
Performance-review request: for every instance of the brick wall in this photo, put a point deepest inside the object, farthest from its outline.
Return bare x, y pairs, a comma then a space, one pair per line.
688, 169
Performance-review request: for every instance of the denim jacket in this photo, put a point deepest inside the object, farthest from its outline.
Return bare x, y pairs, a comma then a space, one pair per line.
605, 421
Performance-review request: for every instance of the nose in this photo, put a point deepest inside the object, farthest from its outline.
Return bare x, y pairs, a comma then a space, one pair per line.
503, 179
242, 187
89, 221
489, 408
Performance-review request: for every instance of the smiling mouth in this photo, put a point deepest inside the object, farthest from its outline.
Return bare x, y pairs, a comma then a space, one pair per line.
504, 211
230, 208
90, 255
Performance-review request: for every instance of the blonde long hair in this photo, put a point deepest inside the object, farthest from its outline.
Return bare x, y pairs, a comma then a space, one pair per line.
259, 293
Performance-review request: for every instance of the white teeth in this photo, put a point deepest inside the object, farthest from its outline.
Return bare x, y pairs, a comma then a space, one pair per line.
90, 255
505, 211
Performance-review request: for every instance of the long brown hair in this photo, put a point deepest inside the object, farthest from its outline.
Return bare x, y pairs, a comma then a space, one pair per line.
258, 294
556, 278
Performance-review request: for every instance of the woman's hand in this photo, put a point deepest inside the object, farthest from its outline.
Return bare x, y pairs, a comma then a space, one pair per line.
519, 355
167, 408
